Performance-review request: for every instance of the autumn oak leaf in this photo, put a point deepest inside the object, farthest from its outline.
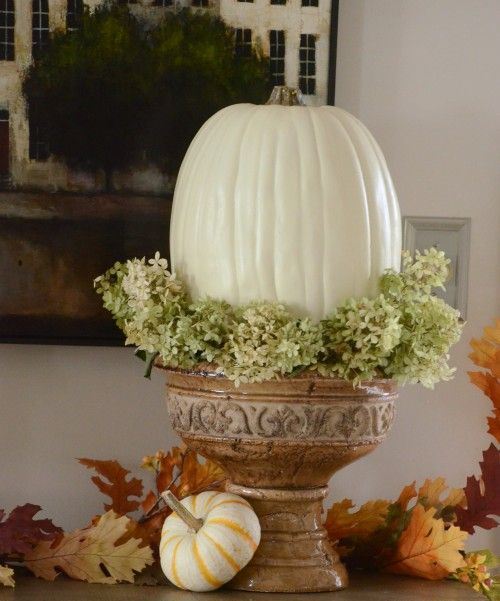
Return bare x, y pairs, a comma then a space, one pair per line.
408, 493
116, 486
432, 494
19, 531
343, 523
482, 495
93, 554
426, 548
487, 354
196, 476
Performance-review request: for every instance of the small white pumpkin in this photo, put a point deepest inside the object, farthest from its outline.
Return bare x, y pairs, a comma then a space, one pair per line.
284, 203
205, 559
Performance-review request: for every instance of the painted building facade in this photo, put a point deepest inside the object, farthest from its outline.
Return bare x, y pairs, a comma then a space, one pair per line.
293, 33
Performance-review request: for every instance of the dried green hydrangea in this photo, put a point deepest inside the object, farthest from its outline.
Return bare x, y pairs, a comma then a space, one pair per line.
404, 333
360, 336
266, 341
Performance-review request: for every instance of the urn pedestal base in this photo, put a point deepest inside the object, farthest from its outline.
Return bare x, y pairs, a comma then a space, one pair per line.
280, 442
294, 555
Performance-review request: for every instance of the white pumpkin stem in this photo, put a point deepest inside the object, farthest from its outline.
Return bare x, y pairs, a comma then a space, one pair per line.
285, 96
175, 505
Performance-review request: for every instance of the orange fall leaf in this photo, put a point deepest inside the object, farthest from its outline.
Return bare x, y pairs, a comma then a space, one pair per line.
116, 486
427, 549
342, 523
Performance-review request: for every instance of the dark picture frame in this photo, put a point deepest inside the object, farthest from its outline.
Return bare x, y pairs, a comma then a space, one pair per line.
53, 245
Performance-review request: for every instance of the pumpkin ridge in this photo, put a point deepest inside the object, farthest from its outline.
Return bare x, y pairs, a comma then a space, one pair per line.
358, 273
202, 567
238, 274
230, 501
175, 576
208, 130
209, 500
169, 539
319, 163
235, 528
236, 567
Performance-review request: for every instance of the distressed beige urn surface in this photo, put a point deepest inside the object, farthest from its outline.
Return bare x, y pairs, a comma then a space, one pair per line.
280, 442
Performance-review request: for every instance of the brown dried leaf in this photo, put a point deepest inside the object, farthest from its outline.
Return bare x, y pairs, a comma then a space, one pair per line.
117, 487
196, 476
20, 531
7, 576
431, 492
92, 554
482, 495
342, 523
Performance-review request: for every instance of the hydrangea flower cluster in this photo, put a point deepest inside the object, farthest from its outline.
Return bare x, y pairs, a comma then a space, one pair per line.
404, 333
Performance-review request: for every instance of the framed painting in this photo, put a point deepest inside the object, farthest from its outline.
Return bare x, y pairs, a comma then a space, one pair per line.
92, 132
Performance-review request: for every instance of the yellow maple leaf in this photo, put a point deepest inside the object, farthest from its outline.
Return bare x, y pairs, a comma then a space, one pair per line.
426, 549
431, 491
342, 523
82, 554
7, 576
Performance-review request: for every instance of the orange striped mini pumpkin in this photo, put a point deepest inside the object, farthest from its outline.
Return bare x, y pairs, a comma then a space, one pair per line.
206, 559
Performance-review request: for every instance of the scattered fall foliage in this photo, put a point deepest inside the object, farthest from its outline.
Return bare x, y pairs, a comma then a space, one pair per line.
486, 354
423, 532
115, 546
382, 533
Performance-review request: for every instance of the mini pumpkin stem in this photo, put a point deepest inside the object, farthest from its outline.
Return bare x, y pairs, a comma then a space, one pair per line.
285, 96
175, 505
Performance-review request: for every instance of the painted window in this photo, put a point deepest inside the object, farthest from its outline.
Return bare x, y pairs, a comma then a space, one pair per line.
39, 26
278, 1
243, 42
4, 147
277, 57
7, 25
309, 2
307, 58
39, 138
203, 3
245, 0
164, 3
74, 15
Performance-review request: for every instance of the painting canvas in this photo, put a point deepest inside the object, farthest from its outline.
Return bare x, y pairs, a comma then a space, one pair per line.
99, 100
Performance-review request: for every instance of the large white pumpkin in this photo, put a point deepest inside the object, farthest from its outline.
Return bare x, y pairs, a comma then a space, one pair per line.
284, 203
208, 558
